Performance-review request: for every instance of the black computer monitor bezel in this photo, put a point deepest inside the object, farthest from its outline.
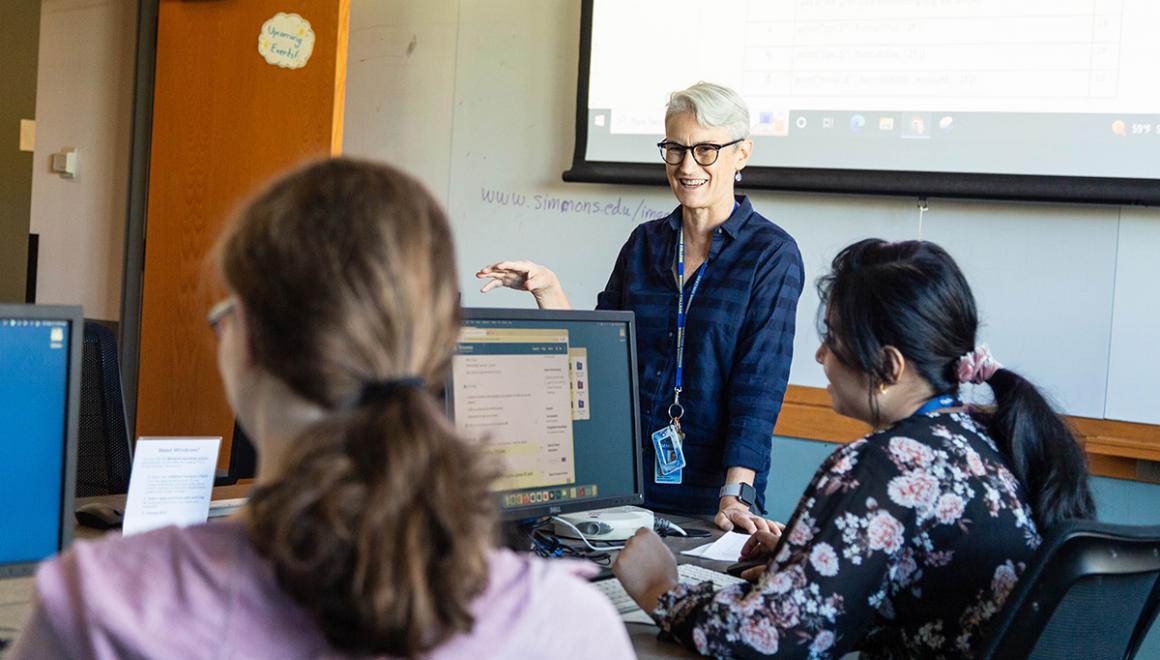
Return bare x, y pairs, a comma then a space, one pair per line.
74, 315
625, 317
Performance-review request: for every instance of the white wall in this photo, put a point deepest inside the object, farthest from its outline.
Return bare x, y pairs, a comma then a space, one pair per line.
401, 66
84, 98
484, 110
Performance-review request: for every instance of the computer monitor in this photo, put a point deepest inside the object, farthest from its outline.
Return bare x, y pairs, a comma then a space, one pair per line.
243, 459
553, 394
40, 362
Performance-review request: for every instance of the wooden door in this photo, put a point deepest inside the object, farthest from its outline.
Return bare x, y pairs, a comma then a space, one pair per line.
20, 34
224, 122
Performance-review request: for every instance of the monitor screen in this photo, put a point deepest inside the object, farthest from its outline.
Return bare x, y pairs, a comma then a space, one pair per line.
39, 358
553, 394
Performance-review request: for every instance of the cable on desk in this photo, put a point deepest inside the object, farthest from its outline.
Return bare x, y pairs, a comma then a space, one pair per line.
548, 546
585, 538
665, 527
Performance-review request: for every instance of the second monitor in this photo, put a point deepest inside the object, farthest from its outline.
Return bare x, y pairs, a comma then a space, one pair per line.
40, 364
553, 394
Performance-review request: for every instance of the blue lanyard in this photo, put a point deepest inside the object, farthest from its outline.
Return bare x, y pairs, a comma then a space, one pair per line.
944, 401
676, 410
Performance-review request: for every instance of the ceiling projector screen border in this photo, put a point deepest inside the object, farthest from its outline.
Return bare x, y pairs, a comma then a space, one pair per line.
920, 184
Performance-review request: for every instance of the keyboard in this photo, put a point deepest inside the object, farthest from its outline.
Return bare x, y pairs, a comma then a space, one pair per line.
686, 573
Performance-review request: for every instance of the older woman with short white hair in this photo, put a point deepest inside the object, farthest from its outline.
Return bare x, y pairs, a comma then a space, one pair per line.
715, 288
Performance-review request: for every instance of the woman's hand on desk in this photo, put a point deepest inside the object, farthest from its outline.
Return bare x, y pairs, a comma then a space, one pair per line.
734, 515
760, 546
526, 276
646, 568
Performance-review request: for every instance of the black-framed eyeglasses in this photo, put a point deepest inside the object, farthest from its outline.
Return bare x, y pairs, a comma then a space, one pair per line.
704, 153
219, 312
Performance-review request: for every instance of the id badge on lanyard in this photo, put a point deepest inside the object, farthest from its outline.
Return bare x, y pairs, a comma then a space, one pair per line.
668, 442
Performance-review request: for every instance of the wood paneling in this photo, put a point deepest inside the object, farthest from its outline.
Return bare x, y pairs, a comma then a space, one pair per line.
1113, 448
806, 414
224, 123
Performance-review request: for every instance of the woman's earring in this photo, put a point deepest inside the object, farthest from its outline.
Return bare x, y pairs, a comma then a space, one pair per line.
737, 177
882, 388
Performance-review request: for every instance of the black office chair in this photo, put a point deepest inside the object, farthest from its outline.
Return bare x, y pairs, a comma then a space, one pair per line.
104, 454
1091, 592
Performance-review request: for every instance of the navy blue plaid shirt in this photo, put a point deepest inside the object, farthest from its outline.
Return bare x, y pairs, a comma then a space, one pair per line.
738, 347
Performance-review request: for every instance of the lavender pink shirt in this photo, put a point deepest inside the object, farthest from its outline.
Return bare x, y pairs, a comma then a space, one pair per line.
202, 592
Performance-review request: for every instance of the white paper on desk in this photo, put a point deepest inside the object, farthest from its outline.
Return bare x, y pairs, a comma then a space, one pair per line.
726, 548
171, 483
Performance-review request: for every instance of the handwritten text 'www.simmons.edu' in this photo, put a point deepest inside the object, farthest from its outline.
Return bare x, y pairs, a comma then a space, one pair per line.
637, 211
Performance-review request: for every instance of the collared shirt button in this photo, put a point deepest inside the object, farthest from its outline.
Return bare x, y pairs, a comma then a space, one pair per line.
658, 373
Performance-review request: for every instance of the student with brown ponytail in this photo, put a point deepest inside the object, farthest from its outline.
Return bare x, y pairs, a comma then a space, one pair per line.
908, 541
369, 531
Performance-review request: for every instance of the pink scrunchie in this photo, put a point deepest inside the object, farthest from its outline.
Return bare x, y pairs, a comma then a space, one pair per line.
977, 366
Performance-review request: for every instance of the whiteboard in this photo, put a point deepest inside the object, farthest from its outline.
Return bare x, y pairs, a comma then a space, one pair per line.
493, 142
1134, 362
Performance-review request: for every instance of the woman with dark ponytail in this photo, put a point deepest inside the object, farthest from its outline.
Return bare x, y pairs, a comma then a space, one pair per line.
369, 531
908, 541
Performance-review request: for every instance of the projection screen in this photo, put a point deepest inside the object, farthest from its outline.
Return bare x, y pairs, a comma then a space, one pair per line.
1002, 99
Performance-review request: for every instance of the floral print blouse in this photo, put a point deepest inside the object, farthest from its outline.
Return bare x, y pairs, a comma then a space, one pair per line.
905, 544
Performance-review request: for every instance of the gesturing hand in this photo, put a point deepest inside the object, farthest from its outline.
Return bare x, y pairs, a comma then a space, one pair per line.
525, 276
646, 568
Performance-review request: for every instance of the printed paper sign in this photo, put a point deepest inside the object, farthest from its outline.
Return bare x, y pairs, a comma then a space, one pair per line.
28, 135
171, 483
286, 41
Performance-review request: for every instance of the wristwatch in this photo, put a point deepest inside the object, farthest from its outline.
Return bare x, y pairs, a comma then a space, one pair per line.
742, 491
